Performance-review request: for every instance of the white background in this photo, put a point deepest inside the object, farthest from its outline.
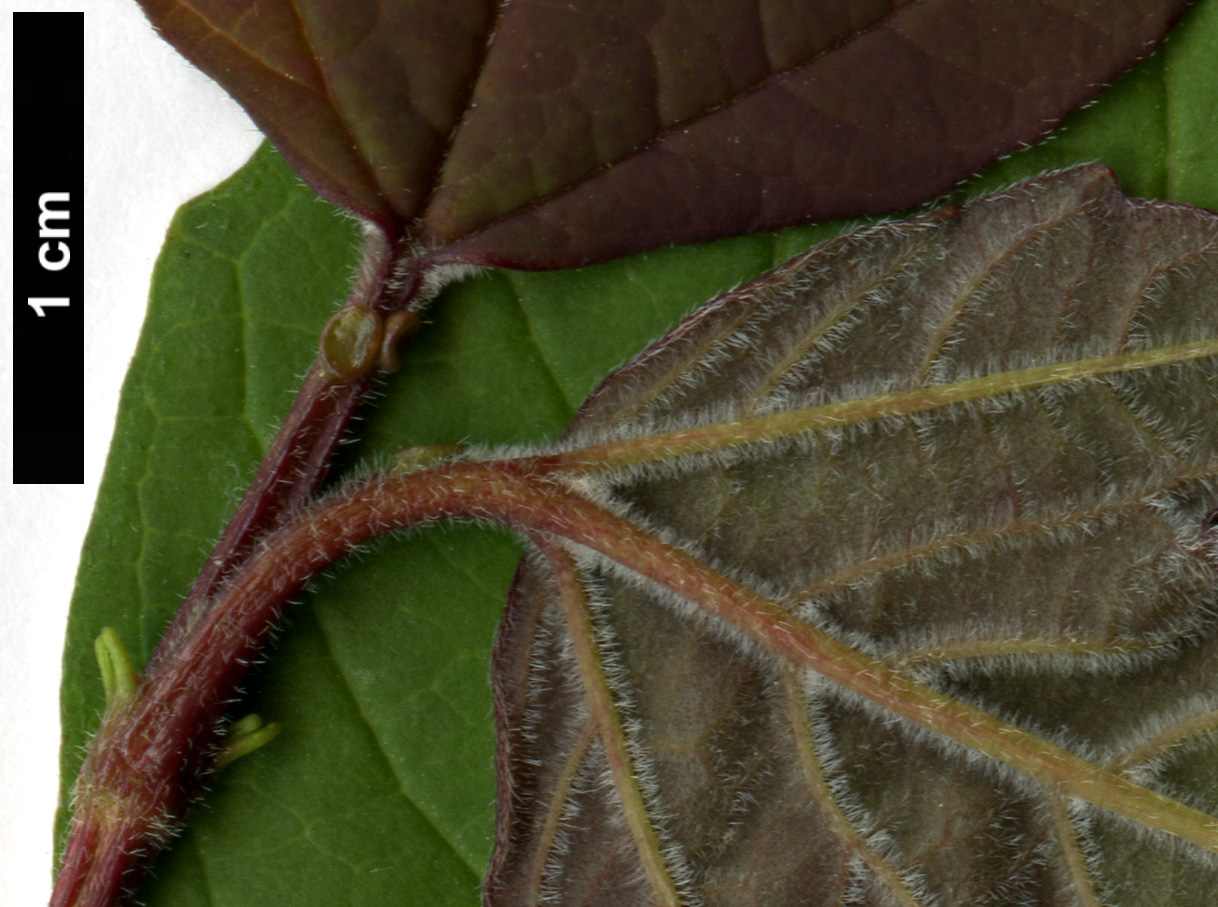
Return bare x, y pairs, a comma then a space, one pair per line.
157, 132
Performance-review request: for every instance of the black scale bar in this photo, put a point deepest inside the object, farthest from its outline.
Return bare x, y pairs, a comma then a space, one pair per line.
48, 247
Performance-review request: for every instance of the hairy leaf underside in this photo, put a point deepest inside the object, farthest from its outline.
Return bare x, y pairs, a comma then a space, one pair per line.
546, 134
982, 448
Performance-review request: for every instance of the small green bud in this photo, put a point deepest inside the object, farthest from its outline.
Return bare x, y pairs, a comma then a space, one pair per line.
244, 737
119, 676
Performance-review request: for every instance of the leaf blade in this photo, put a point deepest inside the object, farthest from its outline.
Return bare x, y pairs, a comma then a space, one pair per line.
910, 528
775, 154
553, 135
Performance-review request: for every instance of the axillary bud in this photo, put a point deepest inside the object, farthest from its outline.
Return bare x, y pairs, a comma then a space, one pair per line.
350, 342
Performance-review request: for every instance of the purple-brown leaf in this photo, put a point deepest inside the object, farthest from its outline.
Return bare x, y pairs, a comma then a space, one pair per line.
545, 134
981, 449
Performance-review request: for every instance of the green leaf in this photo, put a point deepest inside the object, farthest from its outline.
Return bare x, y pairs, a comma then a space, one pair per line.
380, 788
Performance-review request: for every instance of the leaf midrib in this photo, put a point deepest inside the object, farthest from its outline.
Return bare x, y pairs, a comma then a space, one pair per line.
707, 438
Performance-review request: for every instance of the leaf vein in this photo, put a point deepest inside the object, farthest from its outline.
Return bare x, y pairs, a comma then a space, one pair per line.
465, 107
824, 325
676, 127
403, 788
301, 150
339, 114
991, 535
569, 404
848, 834
969, 292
